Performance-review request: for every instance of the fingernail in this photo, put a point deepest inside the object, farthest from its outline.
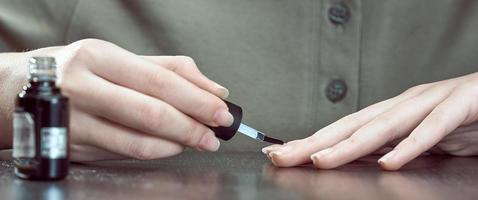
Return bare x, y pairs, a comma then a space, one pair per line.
209, 142
279, 152
320, 154
273, 155
223, 118
268, 149
314, 160
387, 157
224, 93
265, 150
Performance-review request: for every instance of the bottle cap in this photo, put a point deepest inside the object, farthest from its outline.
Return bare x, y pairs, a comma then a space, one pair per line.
42, 69
226, 133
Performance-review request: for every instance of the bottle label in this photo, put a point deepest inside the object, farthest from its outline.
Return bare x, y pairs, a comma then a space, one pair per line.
54, 142
23, 135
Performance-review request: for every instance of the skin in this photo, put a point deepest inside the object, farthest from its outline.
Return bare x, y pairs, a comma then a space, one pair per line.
145, 107
150, 107
436, 117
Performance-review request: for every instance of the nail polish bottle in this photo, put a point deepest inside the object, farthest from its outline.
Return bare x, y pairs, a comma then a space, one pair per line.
40, 125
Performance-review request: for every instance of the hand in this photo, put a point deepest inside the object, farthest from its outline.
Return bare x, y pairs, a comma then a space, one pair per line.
422, 117
144, 107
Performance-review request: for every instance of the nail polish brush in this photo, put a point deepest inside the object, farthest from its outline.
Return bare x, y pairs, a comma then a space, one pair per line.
226, 133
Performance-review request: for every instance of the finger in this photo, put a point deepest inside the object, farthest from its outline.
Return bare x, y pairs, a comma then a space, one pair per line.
270, 148
140, 112
187, 68
98, 132
298, 152
446, 117
129, 70
386, 127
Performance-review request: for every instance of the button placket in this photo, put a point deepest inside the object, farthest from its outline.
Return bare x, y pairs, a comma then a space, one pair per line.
339, 57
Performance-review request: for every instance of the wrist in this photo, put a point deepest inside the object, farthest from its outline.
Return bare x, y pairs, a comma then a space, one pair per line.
13, 73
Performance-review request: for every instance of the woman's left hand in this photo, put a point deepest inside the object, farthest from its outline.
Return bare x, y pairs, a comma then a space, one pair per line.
435, 116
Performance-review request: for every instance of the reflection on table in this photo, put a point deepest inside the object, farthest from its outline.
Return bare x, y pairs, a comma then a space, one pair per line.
240, 175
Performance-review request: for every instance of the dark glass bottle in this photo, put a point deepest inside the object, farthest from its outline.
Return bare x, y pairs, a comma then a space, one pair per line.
40, 125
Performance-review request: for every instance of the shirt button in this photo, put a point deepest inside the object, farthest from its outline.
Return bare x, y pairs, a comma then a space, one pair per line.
339, 14
336, 90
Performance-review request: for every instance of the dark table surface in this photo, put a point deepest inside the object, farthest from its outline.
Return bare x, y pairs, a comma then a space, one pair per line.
193, 175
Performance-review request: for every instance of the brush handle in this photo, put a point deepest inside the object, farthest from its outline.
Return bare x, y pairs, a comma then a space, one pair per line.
226, 133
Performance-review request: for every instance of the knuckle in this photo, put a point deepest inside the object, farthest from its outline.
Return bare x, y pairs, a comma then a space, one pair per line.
88, 42
207, 108
301, 142
142, 150
160, 79
185, 62
351, 142
350, 118
79, 52
86, 46
381, 122
417, 89
439, 117
468, 89
87, 49
194, 134
151, 116
91, 43
411, 140
437, 87
311, 140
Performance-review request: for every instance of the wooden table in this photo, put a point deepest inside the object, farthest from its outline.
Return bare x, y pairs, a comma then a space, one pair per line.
249, 175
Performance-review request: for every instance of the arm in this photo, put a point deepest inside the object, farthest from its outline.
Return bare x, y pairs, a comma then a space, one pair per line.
440, 115
13, 73
123, 104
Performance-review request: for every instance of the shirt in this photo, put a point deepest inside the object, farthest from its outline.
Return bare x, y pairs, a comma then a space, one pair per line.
293, 66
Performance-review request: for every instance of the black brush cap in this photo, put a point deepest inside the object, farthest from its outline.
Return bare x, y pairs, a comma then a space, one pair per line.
226, 133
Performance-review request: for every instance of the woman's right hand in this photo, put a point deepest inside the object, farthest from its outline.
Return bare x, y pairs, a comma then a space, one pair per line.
143, 107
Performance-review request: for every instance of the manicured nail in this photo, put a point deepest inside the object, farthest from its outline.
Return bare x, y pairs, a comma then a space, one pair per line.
279, 152
209, 142
223, 118
223, 92
273, 155
387, 157
320, 154
314, 160
268, 149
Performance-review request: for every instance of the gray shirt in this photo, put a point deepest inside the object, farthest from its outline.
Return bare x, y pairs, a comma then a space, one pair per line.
294, 66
